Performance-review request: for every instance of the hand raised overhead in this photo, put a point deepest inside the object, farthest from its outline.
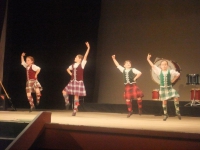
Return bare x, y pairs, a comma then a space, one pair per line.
113, 56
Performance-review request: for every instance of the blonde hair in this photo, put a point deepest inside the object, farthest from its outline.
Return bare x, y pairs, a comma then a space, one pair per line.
163, 61
127, 61
80, 56
31, 58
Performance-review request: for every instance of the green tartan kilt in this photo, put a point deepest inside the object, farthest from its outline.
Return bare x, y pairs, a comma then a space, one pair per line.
167, 93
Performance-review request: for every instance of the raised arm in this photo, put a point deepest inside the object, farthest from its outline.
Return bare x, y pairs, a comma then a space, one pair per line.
115, 61
149, 61
22, 57
87, 51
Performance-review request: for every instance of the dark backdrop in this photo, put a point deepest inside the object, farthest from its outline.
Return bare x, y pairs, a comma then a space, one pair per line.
2, 36
2, 13
53, 32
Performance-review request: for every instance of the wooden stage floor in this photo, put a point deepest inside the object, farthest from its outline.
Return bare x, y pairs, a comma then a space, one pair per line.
110, 120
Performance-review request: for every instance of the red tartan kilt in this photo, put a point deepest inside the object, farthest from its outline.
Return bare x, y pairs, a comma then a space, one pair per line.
31, 86
75, 88
132, 91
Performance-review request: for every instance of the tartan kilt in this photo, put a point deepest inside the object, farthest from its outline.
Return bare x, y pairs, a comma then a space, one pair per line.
31, 85
75, 88
132, 91
167, 93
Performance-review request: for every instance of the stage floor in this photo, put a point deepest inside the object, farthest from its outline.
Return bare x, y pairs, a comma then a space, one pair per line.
110, 120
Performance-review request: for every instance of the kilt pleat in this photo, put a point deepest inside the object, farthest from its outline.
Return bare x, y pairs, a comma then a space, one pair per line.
31, 85
167, 93
75, 88
132, 91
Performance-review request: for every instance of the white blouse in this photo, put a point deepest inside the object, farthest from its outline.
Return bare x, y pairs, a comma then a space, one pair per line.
34, 67
83, 63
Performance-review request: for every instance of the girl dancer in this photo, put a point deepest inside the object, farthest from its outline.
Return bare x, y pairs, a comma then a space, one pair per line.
32, 84
76, 86
167, 78
131, 89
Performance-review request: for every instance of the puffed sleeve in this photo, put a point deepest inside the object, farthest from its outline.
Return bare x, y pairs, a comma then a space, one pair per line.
24, 64
120, 68
135, 71
35, 68
174, 72
83, 63
156, 70
70, 67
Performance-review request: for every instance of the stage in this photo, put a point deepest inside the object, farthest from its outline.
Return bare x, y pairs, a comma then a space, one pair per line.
110, 120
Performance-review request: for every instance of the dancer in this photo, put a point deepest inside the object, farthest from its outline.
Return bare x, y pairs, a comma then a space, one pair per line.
131, 89
167, 78
32, 84
76, 86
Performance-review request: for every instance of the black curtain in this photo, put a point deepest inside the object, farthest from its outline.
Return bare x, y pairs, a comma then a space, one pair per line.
2, 13
53, 32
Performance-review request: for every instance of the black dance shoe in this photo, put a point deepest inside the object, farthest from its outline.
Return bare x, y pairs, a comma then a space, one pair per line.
31, 108
179, 116
74, 114
165, 117
67, 106
129, 114
140, 111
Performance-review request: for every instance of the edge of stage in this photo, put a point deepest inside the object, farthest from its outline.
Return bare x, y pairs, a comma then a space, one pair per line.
114, 116
109, 121
116, 124
96, 126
